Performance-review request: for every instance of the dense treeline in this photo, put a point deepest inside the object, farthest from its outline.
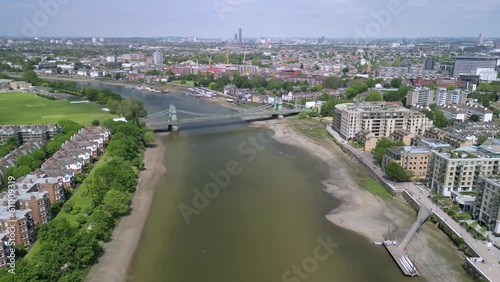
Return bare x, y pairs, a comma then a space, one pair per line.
131, 109
68, 248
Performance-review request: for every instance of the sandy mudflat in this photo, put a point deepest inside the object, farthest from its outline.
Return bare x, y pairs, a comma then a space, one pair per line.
363, 213
360, 211
118, 253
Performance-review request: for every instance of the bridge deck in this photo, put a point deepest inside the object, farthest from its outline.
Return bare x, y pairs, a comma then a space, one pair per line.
229, 115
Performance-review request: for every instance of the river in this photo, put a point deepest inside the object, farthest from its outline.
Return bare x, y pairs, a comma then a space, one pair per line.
237, 207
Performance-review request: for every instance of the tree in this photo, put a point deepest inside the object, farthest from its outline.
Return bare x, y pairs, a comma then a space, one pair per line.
149, 138
382, 146
116, 202
26, 160
397, 172
97, 187
317, 88
124, 146
131, 109
21, 171
482, 139
474, 118
31, 77
52, 147
374, 96
303, 114
396, 63
333, 82
56, 208
38, 154
212, 85
440, 119
396, 82
484, 87
451, 87
323, 97
95, 122
101, 223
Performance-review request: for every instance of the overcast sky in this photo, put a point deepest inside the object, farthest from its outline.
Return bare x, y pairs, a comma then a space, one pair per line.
269, 18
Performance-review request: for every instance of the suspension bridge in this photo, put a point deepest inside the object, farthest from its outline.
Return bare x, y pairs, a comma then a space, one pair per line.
171, 120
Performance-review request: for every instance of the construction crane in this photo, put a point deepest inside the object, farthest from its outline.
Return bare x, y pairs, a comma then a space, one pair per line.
209, 56
244, 61
227, 53
245, 56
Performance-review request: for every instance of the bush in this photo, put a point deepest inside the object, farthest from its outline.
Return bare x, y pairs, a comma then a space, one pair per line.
76, 209
68, 206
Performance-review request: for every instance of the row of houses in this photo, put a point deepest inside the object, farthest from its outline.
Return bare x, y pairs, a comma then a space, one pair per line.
11, 159
27, 202
28, 133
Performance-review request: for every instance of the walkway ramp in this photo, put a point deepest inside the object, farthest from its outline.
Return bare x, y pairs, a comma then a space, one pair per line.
423, 214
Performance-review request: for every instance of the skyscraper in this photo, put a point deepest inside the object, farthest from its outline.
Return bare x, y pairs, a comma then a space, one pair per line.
480, 40
158, 58
240, 35
235, 37
429, 63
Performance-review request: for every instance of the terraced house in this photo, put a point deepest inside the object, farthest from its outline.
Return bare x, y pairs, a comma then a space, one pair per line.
36, 191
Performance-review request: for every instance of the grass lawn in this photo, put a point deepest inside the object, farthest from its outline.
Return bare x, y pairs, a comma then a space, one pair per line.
188, 82
27, 108
80, 198
376, 189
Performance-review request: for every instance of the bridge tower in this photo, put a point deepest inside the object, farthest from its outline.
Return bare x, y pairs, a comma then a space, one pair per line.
280, 108
172, 118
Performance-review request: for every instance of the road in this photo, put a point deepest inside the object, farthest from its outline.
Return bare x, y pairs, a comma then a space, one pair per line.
490, 266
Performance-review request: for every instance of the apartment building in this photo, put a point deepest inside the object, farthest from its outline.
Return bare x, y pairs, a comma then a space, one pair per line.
403, 136
28, 133
488, 202
430, 143
22, 222
379, 118
414, 159
445, 97
421, 96
452, 139
469, 65
4, 247
484, 114
459, 170
454, 113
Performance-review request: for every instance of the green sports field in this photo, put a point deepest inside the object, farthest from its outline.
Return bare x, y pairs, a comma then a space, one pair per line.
27, 108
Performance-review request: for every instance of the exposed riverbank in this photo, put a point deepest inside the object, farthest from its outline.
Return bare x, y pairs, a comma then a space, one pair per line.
113, 265
376, 218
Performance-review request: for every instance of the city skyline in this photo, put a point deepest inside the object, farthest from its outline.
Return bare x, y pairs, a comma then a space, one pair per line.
276, 18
